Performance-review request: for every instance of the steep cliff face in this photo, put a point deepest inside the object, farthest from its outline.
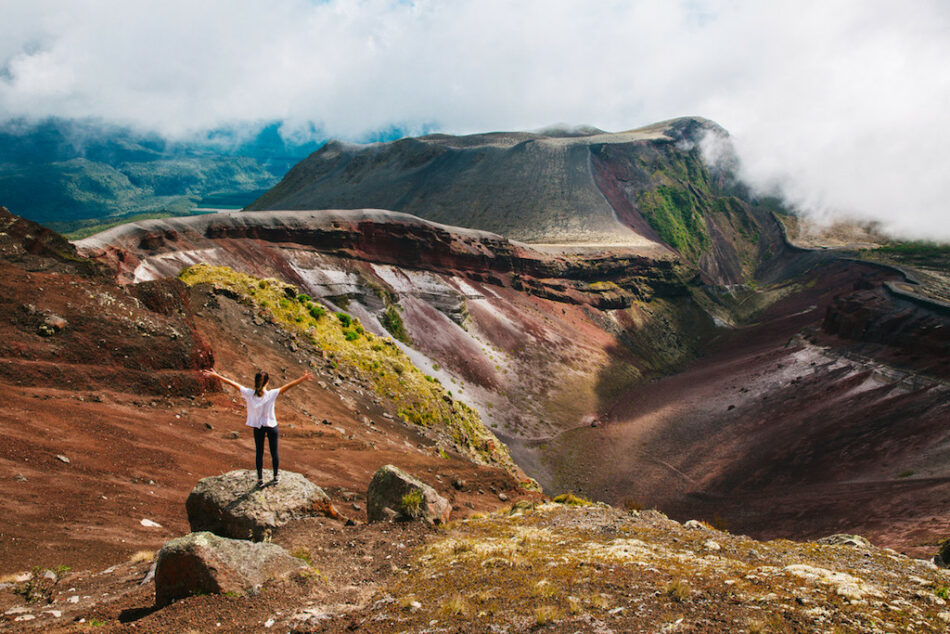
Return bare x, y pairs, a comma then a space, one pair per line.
523, 335
648, 189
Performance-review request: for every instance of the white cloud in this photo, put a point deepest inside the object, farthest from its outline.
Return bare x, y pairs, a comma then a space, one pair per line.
841, 102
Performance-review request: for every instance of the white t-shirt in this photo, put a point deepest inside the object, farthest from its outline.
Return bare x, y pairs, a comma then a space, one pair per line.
260, 409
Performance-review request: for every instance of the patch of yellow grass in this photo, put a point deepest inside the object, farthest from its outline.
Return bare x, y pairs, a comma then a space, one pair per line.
573, 500
456, 605
141, 556
545, 614
678, 590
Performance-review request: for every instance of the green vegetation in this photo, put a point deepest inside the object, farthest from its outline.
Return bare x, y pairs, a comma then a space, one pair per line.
921, 254
411, 504
378, 360
676, 215
392, 322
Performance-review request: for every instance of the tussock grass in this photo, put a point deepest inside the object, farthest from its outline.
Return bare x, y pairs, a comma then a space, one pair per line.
141, 556
455, 606
545, 614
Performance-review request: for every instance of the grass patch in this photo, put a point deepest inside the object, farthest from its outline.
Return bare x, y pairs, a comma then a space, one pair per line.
142, 556
455, 606
545, 614
392, 322
677, 590
572, 500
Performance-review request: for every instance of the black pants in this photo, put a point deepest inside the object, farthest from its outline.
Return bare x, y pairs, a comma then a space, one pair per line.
271, 433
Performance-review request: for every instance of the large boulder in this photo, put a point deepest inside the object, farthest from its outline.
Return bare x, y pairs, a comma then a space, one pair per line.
203, 563
232, 505
393, 493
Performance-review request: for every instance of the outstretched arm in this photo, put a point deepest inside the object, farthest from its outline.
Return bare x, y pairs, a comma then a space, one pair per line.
305, 377
223, 379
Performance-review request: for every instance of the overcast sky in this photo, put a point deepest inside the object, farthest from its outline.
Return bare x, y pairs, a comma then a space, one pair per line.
843, 104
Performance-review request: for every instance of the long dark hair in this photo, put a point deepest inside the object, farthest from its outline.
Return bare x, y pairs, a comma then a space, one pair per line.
260, 380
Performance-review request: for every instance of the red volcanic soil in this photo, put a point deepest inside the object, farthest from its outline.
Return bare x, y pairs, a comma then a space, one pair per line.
107, 420
780, 435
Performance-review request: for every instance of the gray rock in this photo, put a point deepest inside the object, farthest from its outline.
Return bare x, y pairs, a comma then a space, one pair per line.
203, 563
232, 505
694, 525
62, 458
843, 539
390, 488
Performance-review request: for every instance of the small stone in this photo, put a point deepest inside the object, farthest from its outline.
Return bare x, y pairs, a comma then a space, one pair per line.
62, 458
325, 422
73, 599
25, 617
694, 525
49, 575
54, 613
269, 623
711, 545
357, 507
944, 616
414, 606
150, 524
17, 610
20, 478
502, 497
458, 484
209, 426
234, 435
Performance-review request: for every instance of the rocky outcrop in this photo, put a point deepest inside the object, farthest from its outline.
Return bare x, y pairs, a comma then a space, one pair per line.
204, 563
843, 539
232, 505
152, 249
394, 494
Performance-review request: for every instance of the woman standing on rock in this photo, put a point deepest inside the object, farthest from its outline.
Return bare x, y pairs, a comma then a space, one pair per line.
260, 415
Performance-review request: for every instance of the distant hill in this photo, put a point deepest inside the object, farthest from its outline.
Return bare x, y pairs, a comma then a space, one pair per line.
641, 188
71, 174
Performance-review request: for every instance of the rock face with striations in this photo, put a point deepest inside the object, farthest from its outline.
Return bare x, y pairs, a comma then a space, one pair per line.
232, 505
393, 493
204, 563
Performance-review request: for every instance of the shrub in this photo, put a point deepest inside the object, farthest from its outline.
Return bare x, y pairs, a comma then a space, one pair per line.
303, 298
350, 335
317, 311
345, 319
411, 504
